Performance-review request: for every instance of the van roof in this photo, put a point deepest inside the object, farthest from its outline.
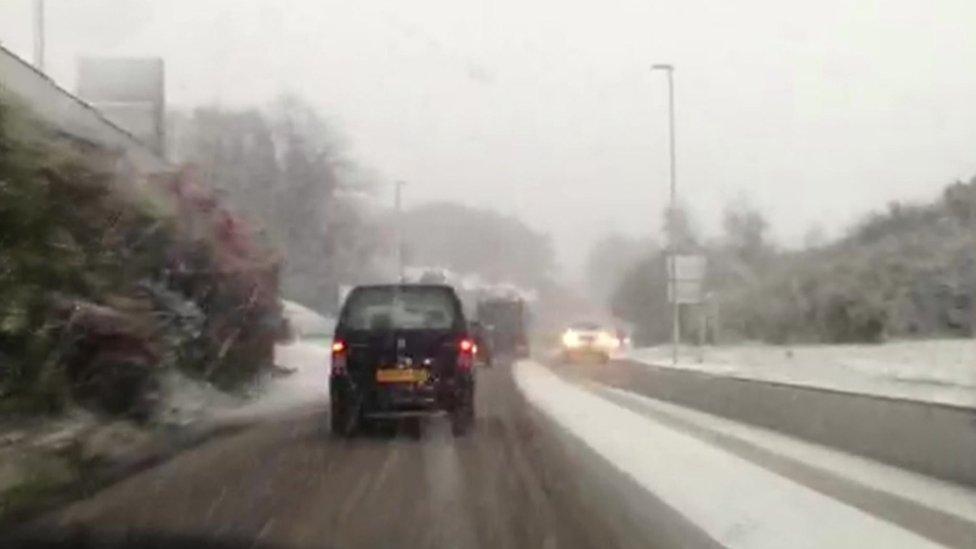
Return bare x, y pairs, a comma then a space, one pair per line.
404, 285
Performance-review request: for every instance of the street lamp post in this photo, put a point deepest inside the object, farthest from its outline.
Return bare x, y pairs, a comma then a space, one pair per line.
39, 35
398, 206
672, 218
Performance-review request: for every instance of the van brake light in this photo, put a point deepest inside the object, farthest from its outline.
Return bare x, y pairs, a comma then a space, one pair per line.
467, 348
339, 357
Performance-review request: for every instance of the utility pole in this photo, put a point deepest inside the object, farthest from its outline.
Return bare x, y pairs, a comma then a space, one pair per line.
39, 35
672, 219
398, 206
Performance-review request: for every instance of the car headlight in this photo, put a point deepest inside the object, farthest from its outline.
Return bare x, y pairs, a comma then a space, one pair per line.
571, 339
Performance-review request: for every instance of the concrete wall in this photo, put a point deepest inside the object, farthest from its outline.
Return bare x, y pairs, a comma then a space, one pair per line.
933, 439
53, 104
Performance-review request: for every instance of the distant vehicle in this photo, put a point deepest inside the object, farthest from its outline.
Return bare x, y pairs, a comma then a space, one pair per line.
504, 321
589, 340
402, 350
482, 338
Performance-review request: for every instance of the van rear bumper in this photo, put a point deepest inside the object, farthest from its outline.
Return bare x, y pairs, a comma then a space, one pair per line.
396, 400
403, 414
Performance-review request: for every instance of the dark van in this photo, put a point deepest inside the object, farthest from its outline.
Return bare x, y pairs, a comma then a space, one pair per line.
401, 350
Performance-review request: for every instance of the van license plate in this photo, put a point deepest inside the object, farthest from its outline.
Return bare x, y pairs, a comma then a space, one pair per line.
407, 375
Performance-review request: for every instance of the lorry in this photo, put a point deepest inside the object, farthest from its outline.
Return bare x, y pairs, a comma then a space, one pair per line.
505, 324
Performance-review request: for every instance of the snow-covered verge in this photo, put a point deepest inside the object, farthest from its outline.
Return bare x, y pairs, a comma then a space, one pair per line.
43, 458
304, 367
307, 384
301, 378
942, 371
48, 460
736, 502
305, 322
950, 498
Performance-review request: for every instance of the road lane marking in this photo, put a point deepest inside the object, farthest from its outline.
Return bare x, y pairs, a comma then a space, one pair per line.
442, 467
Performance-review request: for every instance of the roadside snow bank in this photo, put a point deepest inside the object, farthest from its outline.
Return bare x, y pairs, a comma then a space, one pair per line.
305, 322
941, 371
190, 401
736, 502
949, 498
303, 378
307, 384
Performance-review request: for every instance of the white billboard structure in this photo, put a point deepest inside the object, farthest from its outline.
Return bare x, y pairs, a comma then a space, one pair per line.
129, 92
22, 83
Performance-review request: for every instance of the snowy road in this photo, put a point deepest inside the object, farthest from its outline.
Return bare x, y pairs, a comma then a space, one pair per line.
558, 459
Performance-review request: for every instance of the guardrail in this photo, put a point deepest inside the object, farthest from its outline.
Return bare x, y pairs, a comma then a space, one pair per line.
931, 438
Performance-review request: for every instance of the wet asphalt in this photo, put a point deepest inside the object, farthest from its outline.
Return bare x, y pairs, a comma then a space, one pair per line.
516, 480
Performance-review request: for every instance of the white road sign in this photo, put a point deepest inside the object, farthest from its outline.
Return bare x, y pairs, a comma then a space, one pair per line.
687, 267
686, 274
689, 291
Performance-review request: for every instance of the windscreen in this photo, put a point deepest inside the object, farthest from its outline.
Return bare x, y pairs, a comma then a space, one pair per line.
404, 308
724, 250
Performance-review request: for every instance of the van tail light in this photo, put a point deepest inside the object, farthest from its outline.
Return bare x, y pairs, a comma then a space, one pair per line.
467, 349
340, 354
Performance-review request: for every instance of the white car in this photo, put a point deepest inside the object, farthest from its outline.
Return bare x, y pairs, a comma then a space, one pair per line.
589, 340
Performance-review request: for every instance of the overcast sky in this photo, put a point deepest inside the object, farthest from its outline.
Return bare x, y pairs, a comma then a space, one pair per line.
816, 112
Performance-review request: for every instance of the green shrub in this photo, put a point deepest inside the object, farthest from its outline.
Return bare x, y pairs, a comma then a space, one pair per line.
76, 236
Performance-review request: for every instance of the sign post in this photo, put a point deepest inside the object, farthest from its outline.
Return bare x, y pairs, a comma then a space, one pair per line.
686, 275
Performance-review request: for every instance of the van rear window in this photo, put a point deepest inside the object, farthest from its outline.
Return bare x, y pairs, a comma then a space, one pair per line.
400, 308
